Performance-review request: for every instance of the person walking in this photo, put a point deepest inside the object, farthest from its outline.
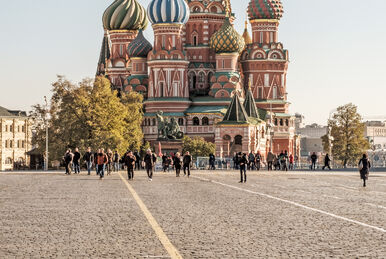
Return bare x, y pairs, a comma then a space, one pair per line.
212, 160
96, 161
314, 158
68, 157
130, 160
76, 161
102, 161
116, 158
187, 163
251, 161
364, 168
327, 161
270, 159
284, 161
165, 163
291, 162
243, 161
177, 163
258, 161
110, 159
138, 160
88, 158
149, 161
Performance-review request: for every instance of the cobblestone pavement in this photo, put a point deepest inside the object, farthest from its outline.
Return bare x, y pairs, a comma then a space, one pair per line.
210, 215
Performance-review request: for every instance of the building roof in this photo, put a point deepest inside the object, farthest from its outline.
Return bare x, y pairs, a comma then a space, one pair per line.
265, 9
125, 15
250, 105
139, 47
236, 112
9, 113
227, 39
105, 54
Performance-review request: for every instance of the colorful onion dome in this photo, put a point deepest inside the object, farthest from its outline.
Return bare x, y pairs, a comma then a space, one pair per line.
168, 11
139, 47
227, 39
265, 9
247, 38
125, 15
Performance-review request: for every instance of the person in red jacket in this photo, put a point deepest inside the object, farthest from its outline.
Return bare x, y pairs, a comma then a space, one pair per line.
102, 161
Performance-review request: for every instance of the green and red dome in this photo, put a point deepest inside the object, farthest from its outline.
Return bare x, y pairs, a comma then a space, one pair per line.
265, 9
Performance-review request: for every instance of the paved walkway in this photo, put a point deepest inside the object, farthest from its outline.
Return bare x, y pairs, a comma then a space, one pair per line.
209, 215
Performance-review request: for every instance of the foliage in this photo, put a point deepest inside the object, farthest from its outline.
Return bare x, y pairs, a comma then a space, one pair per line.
197, 146
88, 115
144, 148
347, 129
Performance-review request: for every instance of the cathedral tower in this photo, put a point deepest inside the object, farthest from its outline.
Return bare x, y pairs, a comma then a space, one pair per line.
168, 64
206, 17
121, 22
227, 44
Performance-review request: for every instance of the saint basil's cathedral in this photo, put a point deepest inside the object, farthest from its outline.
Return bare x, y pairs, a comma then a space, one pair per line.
228, 88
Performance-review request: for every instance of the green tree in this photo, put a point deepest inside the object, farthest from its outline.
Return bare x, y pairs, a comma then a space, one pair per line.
89, 114
197, 146
347, 129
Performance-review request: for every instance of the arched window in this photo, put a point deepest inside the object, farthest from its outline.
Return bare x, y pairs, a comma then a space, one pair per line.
213, 9
205, 121
8, 161
192, 80
227, 137
181, 121
196, 9
196, 121
238, 140
195, 40
201, 77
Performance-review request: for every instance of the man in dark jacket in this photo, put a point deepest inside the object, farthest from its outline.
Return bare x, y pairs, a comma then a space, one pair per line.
138, 161
327, 161
88, 158
129, 160
243, 161
68, 157
314, 158
187, 161
76, 161
212, 160
150, 160
251, 161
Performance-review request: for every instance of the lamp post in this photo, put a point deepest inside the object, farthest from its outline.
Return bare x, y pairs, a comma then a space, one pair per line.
46, 125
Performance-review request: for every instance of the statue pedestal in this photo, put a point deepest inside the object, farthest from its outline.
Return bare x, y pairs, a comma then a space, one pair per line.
168, 146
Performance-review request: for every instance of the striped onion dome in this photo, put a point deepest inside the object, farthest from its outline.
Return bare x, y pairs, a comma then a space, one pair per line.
265, 9
125, 15
227, 39
168, 11
139, 47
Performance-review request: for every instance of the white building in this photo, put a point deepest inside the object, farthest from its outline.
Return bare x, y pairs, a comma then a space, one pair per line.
311, 139
375, 132
15, 139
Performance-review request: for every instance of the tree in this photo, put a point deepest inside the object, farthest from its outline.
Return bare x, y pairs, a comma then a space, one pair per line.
89, 114
197, 146
347, 129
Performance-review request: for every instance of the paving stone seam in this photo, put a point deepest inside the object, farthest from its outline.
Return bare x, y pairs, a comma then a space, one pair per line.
170, 248
295, 204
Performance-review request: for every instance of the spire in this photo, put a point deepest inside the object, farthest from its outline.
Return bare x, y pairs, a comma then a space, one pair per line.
228, 8
246, 36
250, 105
104, 55
236, 112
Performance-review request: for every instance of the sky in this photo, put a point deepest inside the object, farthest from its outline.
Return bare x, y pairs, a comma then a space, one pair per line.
336, 51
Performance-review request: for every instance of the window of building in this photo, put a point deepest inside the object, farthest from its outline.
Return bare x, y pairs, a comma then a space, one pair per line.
260, 93
181, 121
266, 79
238, 140
195, 40
287, 122
281, 122
275, 121
196, 121
161, 89
201, 77
6, 128
6, 143
274, 92
23, 144
192, 80
223, 63
154, 122
8, 161
10, 143
205, 121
